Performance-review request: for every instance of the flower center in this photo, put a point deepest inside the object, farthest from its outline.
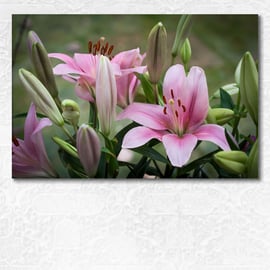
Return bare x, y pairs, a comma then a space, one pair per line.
175, 110
100, 47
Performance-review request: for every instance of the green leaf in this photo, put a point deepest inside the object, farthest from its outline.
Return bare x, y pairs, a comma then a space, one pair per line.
120, 135
151, 153
225, 100
147, 88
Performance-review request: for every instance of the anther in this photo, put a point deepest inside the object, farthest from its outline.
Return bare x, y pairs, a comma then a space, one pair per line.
110, 50
98, 45
179, 102
15, 141
176, 113
89, 46
165, 110
164, 99
184, 108
172, 93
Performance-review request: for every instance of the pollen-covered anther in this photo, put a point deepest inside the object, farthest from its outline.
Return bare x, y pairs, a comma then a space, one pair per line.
164, 99
179, 102
172, 94
100, 47
176, 114
15, 141
165, 110
184, 108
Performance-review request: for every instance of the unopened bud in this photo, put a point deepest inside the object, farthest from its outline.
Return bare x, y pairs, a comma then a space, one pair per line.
71, 111
232, 161
182, 31
156, 54
249, 86
106, 95
42, 63
231, 89
219, 116
252, 163
89, 149
40, 96
186, 52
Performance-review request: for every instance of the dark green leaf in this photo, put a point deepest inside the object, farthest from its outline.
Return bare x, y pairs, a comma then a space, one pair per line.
120, 135
151, 153
226, 100
147, 87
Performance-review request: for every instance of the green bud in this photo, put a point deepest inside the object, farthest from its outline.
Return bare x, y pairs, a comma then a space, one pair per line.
232, 161
182, 32
71, 111
249, 86
186, 52
70, 149
252, 163
237, 72
42, 63
220, 115
156, 54
231, 89
40, 96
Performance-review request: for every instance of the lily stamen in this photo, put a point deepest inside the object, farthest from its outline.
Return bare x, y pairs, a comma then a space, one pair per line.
99, 48
15, 141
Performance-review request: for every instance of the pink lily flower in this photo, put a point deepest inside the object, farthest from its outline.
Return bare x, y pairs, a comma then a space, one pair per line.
179, 124
82, 70
29, 157
129, 61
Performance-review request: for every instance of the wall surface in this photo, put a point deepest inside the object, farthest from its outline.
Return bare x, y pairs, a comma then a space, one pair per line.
105, 225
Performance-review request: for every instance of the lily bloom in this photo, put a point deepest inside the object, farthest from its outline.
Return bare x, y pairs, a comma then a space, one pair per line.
127, 82
29, 157
179, 124
82, 70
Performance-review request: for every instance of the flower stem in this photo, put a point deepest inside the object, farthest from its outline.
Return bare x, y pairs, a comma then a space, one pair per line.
68, 134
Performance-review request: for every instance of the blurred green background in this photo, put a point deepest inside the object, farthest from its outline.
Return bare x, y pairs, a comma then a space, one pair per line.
217, 41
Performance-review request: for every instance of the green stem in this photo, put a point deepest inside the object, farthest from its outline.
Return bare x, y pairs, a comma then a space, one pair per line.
68, 134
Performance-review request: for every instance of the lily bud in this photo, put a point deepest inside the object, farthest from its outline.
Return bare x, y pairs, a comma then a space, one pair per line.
71, 111
249, 86
182, 31
156, 54
186, 52
106, 95
252, 163
42, 63
40, 96
89, 149
231, 89
232, 161
219, 116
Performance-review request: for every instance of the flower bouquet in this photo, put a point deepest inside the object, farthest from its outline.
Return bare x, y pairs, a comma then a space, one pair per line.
145, 118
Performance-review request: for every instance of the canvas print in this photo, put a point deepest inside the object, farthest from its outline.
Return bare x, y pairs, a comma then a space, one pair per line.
135, 96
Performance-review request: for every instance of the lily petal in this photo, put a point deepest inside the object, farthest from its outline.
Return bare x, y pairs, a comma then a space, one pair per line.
175, 79
149, 115
65, 58
179, 149
139, 136
212, 133
198, 103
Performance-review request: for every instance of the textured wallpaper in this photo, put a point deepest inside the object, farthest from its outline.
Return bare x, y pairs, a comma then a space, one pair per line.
136, 225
